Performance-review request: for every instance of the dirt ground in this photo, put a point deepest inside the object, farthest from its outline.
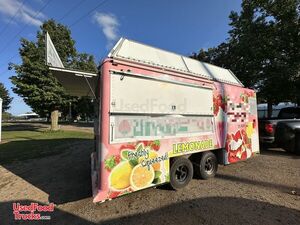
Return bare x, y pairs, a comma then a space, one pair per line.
262, 190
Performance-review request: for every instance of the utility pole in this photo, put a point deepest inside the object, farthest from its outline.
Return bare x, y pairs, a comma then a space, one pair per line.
70, 112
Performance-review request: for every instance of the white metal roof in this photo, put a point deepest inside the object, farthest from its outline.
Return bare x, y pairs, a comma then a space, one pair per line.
137, 52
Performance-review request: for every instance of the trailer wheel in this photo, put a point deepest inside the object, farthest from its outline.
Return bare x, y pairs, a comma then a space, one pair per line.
297, 142
207, 166
181, 172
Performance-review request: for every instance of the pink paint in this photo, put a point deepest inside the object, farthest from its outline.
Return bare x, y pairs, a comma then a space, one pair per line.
230, 102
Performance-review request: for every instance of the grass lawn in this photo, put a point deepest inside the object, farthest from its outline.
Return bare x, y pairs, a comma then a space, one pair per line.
18, 145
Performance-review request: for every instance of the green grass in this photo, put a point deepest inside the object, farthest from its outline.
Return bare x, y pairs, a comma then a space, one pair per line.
19, 145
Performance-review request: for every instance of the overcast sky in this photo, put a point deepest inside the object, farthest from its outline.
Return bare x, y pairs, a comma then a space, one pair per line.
179, 26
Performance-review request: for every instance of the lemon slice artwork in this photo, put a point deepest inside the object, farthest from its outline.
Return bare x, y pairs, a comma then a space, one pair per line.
152, 155
141, 177
119, 178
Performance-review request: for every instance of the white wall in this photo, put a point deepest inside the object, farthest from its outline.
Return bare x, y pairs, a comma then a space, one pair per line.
131, 94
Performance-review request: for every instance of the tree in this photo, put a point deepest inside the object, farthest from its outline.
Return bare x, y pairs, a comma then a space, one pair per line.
85, 108
84, 62
33, 80
263, 48
6, 99
6, 116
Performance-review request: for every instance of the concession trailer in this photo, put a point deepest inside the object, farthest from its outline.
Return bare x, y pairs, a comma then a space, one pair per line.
161, 117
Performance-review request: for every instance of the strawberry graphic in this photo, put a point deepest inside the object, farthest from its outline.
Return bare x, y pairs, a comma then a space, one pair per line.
117, 159
235, 147
155, 145
145, 143
124, 127
128, 146
245, 137
112, 161
113, 194
254, 124
237, 136
219, 102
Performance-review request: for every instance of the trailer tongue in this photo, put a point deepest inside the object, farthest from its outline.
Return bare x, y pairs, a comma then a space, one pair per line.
161, 118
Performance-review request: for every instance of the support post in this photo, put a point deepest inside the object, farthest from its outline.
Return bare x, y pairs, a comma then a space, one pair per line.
54, 120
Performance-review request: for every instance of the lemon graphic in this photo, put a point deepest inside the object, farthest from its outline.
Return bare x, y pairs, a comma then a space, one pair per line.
119, 178
249, 129
152, 155
141, 177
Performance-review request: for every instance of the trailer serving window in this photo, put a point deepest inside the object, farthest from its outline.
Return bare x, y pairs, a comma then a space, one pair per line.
143, 107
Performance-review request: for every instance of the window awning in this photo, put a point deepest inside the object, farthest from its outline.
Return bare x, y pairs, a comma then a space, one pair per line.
76, 83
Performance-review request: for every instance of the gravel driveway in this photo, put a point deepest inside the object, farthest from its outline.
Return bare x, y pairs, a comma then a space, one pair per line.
262, 190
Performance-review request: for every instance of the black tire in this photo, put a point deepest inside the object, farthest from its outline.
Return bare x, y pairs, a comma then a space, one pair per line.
206, 166
297, 142
289, 146
181, 172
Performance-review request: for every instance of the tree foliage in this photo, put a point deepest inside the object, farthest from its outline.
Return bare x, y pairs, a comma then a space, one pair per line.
263, 48
6, 99
33, 80
84, 108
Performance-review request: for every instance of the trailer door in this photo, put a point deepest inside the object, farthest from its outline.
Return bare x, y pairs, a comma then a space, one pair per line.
143, 107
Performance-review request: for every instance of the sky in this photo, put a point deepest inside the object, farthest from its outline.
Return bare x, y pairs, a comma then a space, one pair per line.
179, 26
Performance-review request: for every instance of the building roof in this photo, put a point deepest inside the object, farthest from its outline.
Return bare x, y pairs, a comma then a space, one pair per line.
27, 114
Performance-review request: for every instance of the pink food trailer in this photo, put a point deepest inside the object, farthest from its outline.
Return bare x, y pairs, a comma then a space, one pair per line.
161, 118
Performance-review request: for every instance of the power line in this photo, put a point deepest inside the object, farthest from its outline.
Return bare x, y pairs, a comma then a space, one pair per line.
64, 16
72, 9
88, 13
15, 55
12, 18
6, 70
24, 27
